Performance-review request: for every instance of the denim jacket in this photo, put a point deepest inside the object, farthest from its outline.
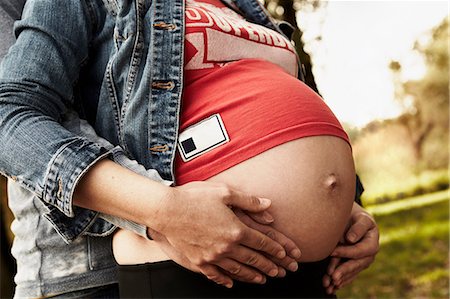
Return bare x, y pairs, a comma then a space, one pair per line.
119, 64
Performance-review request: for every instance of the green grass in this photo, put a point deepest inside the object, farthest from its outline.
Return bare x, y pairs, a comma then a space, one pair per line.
384, 187
413, 261
409, 203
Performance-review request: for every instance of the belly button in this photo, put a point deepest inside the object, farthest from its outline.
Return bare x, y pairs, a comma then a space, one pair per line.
331, 182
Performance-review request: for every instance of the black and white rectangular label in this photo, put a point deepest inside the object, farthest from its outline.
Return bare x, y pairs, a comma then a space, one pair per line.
202, 137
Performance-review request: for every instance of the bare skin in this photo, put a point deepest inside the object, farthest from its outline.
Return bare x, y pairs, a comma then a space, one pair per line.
355, 253
311, 183
210, 244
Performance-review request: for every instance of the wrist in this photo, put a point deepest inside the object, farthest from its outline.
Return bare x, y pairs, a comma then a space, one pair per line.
115, 190
166, 211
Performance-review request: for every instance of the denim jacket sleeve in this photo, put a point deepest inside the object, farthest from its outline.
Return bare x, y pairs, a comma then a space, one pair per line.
104, 224
36, 88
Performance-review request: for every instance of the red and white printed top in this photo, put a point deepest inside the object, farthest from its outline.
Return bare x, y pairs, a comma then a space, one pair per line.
247, 74
216, 35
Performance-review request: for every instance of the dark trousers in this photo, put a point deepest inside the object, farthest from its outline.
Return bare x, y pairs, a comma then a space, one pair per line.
169, 280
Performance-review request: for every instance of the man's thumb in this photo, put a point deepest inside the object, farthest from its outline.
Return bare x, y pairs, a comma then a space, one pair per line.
250, 203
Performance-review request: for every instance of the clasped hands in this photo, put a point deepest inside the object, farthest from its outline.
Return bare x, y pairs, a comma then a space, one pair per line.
208, 232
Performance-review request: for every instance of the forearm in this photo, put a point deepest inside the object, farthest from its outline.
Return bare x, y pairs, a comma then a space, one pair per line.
112, 189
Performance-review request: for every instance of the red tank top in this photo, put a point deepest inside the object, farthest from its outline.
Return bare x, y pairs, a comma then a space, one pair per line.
246, 74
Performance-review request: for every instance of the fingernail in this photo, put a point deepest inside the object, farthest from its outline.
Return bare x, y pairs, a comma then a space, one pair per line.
351, 237
258, 279
229, 285
265, 201
326, 283
273, 272
268, 217
281, 254
281, 272
296, 253
293, 266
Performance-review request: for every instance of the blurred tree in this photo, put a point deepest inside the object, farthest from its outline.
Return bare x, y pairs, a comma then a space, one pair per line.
286, 10
426, 101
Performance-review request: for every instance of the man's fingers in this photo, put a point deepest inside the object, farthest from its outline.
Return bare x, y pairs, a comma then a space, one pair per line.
361, 243
350, 267
347, 271
368, 246
213, 273
291, 249
363, 222
241, 272
255, 260
260, 242
334, 262
331, 289
326, 281
288, 262
285, 264
246, 201
262, 217
348, 280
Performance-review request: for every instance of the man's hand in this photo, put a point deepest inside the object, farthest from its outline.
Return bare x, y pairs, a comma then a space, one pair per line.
202, 225
356, 253
289, 262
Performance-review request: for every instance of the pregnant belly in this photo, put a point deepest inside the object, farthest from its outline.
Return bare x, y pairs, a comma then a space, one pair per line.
311, 182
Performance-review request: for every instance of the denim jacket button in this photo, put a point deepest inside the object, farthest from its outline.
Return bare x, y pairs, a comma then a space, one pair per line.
159, 148
166, 85
164, 26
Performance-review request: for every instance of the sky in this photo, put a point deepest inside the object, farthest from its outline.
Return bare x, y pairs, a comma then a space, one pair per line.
358, 41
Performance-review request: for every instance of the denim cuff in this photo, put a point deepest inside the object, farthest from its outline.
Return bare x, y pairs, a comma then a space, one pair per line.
77, 221
132, 226
84, 220
65, 171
